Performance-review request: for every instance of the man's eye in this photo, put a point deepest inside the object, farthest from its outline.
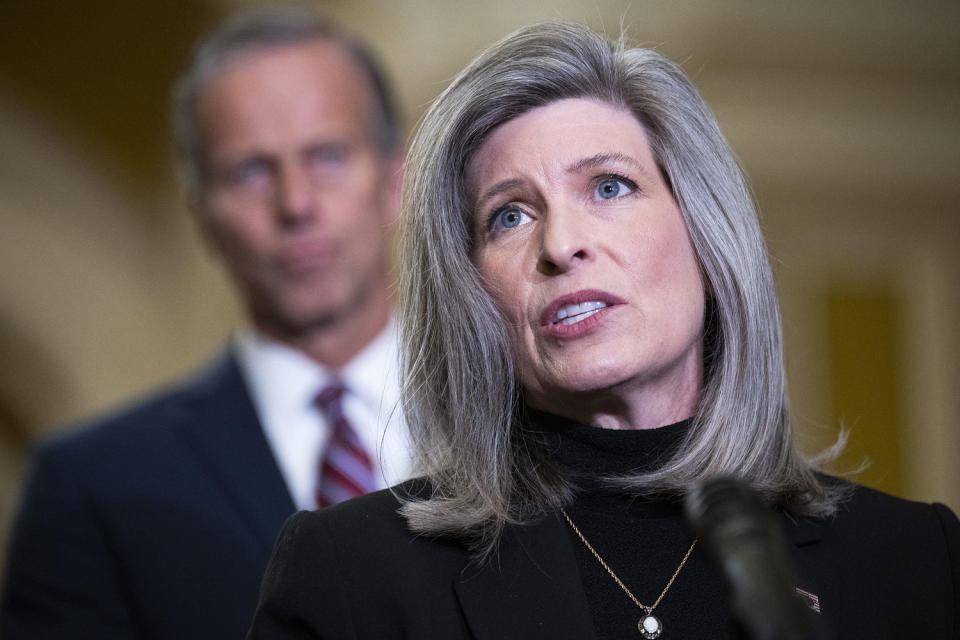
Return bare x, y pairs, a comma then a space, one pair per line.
328, 155
247, 173
610, 188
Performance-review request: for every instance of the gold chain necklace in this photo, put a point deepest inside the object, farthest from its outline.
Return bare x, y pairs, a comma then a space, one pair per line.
649, 626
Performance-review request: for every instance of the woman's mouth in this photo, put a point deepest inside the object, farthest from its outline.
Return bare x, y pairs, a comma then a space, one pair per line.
574, 313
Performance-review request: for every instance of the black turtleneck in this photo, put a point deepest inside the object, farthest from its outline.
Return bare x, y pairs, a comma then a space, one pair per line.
642, 539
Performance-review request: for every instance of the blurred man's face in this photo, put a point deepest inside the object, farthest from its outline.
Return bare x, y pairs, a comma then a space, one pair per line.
298, 198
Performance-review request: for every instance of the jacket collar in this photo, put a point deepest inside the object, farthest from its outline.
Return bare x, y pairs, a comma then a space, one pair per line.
530, 587
801, 532
225, 434
801, 535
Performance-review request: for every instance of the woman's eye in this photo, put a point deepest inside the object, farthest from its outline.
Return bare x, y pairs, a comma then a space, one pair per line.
610, 188
510, 218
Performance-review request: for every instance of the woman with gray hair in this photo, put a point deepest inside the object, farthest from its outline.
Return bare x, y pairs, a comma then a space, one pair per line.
590, 328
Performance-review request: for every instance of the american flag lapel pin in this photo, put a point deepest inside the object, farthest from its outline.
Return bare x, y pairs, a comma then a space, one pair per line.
812, 600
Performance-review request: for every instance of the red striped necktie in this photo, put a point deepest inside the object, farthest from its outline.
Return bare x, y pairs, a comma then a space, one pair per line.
346, 470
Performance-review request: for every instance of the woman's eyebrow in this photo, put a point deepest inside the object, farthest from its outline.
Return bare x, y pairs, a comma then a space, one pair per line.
584, 163
498, 188
604, 158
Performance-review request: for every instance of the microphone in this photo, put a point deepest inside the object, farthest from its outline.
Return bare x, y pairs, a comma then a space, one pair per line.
744, 540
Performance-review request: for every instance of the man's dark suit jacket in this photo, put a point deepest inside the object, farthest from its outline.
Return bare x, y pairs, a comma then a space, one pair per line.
156, 523
883, 568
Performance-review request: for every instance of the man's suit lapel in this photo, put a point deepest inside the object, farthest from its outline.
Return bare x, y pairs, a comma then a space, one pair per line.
226, 435
530, 588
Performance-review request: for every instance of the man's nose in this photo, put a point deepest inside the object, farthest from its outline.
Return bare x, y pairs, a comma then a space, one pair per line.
296, 197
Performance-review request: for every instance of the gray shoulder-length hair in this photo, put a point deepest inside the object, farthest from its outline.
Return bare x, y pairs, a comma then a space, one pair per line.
462, 398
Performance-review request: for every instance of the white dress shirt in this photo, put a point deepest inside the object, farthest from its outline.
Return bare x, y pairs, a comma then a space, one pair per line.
284, 383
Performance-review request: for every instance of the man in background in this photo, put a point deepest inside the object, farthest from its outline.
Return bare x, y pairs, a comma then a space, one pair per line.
159, 521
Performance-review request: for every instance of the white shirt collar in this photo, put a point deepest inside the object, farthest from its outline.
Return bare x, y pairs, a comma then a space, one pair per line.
283, 384
364, 376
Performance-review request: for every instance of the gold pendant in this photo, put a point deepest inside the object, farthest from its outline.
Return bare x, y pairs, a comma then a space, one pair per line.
649, 627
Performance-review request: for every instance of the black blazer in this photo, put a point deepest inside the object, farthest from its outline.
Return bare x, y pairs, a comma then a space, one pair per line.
883, 568
155, 523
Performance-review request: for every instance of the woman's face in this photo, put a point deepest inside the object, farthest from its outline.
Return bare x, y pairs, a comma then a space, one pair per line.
583, 248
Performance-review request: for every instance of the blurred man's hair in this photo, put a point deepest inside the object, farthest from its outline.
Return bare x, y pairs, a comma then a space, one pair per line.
262, 31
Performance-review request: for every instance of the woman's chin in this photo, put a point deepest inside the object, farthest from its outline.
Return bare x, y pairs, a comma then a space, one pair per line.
579, 387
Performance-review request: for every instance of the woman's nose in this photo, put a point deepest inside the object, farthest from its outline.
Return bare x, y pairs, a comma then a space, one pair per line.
563, 241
